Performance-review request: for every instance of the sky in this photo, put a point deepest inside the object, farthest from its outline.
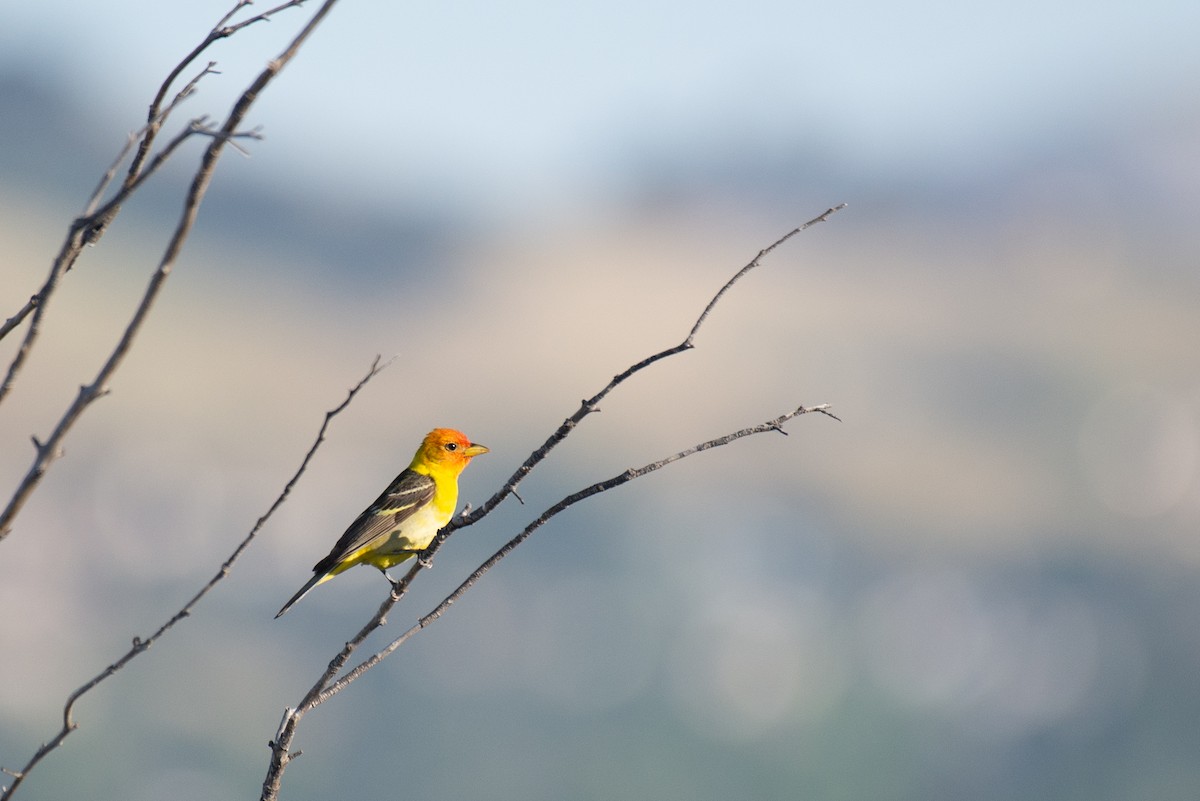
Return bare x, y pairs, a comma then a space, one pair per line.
507, 103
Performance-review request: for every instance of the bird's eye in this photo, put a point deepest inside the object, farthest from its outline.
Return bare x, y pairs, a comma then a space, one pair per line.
451, 446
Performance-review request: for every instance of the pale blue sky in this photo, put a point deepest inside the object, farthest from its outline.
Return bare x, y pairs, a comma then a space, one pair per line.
490, 101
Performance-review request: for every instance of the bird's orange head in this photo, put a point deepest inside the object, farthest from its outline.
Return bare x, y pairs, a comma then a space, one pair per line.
445, 450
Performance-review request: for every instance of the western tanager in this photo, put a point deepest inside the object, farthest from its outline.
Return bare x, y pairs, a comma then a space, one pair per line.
407, 516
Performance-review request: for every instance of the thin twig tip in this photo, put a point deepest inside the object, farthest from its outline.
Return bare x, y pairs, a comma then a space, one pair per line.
825, 411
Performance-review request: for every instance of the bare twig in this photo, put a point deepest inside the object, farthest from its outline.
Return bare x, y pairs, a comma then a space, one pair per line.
82, 231
88, 228
139, 645
91, 226
590, 405
280, 744
47, 452
326, 686
22, 313
562, 505
155, 117
96, 223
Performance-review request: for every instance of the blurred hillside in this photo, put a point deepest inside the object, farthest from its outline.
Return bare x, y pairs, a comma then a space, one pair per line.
982, 584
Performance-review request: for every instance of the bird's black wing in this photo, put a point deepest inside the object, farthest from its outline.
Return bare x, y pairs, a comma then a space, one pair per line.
405, 495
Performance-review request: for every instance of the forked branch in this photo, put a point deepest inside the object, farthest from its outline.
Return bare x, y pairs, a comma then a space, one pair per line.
590, 405
45, 453
69, 724
544, 517
329, 684
88, 228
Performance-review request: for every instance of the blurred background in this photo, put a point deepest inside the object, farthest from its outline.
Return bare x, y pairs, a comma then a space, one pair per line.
982, 584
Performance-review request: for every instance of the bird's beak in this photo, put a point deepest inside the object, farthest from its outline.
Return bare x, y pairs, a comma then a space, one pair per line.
475, 450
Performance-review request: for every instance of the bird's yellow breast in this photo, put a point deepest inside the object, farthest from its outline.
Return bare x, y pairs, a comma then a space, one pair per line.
413, 534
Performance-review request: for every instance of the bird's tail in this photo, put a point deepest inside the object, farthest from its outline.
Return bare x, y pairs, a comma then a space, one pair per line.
312, 582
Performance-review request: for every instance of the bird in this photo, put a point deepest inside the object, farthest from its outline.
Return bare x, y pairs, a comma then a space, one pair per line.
407, 516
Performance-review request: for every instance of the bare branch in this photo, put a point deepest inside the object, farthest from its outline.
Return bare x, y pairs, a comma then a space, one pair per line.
92, 223
280, 745
22, 313
139, 645
203, 177
562, 505
83, 231
95, 223
592, 404
326, 686
754, 263
91, 226
156, 116
199, 126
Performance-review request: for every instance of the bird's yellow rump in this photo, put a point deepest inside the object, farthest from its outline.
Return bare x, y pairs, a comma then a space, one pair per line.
407, 516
